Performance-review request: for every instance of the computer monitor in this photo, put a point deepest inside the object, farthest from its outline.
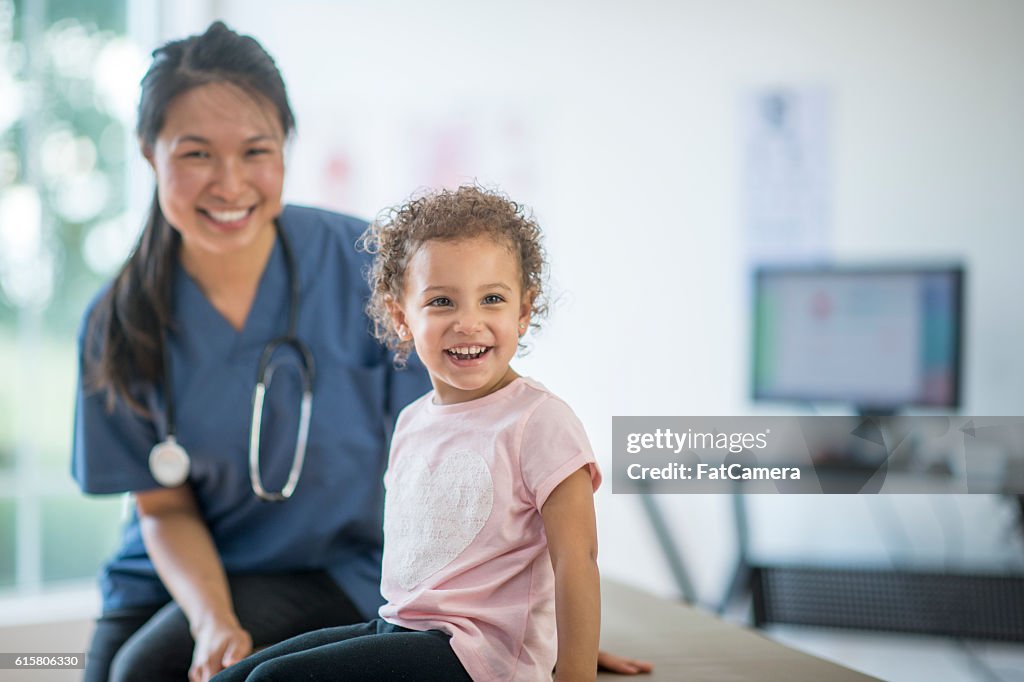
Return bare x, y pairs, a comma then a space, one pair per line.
879, 338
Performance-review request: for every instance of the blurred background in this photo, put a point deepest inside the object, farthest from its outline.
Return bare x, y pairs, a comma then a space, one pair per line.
667, 148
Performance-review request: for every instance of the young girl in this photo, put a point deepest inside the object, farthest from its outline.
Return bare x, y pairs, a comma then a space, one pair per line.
490, 544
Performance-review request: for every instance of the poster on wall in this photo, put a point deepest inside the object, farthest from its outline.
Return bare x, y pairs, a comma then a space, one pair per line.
490, 142
786, 175
378, 158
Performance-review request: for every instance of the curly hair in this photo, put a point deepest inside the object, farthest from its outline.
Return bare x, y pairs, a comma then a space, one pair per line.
446, 215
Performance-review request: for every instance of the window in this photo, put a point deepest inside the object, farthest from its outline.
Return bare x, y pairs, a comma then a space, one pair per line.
68, 83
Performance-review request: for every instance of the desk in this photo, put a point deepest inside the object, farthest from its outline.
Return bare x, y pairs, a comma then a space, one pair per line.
689, 645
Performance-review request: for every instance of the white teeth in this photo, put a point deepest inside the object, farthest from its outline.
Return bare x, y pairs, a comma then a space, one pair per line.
228, 216
467, 350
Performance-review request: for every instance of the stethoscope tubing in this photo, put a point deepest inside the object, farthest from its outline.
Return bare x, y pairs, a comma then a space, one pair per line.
170, 463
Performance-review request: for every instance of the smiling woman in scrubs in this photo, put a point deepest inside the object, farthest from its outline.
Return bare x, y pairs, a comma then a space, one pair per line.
207, 287
207, 568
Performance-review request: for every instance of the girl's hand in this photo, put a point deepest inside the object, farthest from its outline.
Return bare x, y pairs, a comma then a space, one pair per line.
620, 665
218, 646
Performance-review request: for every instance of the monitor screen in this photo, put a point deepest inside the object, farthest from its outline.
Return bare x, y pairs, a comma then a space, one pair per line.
880, 338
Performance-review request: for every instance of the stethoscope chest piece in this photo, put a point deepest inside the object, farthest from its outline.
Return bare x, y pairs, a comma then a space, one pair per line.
169, 463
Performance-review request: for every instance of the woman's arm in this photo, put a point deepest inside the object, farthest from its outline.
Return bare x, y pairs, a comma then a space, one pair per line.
571, 530
187, 562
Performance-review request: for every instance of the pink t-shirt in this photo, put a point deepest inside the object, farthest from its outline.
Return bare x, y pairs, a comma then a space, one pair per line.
464, 544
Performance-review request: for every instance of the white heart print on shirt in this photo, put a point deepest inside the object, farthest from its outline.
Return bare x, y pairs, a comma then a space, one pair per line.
431, 516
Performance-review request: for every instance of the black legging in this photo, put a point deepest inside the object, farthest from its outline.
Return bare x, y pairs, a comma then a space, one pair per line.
154, 644
376, 650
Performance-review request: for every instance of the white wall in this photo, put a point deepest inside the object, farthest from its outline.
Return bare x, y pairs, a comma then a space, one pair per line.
59, 621
59, 636
632, 109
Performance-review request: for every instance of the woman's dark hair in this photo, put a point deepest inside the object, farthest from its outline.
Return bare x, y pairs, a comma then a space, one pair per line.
125, 338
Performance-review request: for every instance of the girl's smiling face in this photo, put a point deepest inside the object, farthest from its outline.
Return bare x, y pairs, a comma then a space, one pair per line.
464, 307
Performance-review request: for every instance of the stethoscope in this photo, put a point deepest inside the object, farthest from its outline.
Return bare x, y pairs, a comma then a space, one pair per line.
168, 461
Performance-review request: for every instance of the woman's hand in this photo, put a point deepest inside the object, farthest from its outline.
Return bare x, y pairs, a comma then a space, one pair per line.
218, 646
187, 562
620, 665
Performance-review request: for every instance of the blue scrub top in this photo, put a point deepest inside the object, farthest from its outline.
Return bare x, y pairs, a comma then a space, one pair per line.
334, 519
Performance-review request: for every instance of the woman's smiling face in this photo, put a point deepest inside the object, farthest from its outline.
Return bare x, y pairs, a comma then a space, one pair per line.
219, 164
464, 306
